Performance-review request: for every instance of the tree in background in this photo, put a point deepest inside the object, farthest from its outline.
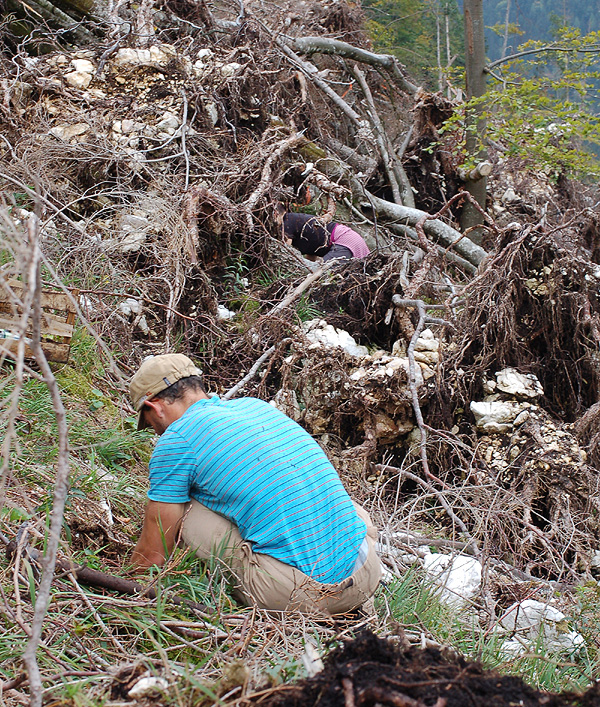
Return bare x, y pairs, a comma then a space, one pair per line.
475, 123
541, 105
425, 35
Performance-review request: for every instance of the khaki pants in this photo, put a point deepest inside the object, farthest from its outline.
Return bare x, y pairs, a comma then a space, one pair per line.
263, 581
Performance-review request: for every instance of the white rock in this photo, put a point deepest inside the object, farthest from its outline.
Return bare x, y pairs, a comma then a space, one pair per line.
224, 313
147, 686
83, 65
68, 132
143, 324
521, 385
496, 417
510, 196
426, 371
427, 341
128, 55
430, 358
399, 348
162, 53
204, 53
78, 79
458, 578
127, 126
157, 54
312, 660
97, 93
168, 123
212, 112
326, 335
427, 344
129, 306
230, 69
533, 621
134, 220
132, 242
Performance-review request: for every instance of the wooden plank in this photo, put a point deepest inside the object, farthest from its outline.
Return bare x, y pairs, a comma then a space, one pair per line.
48, 327
57, 322
49, 299
58, 353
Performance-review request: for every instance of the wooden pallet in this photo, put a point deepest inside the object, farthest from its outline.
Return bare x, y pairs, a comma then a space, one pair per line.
58, 319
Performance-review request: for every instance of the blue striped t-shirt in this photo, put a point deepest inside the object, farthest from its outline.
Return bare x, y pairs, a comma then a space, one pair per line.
248, 461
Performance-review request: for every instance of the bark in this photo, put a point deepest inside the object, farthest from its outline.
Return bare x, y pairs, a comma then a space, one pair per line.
363, 163
325, 45
34, 9
476, 86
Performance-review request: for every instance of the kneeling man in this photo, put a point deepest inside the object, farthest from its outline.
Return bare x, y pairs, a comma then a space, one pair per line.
240, 480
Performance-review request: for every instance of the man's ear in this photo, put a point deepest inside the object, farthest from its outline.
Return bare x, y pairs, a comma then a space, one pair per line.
156, 406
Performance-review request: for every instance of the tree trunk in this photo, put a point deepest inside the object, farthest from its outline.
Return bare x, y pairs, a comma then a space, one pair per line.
475, 76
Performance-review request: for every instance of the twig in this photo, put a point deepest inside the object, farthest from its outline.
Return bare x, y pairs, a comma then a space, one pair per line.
440, 497
348, 692
412, 377
399, 183
48, 562
184, 146
383, 695
254, 370
310, 70
265, 177
107, 632
304, 285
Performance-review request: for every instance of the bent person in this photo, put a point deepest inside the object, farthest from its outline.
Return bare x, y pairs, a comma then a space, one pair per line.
308, 235
241, 481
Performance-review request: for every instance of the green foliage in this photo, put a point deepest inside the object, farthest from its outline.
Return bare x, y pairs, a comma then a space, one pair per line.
543, 107
236, 275
409, 30
306, 310
266, 278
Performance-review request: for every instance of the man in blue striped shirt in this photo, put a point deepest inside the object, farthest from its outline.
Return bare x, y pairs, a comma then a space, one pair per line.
241, 481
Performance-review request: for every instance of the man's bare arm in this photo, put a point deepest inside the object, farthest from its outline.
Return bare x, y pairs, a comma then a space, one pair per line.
159, 532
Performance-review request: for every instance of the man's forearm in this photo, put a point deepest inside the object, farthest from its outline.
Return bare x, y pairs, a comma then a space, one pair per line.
159, 531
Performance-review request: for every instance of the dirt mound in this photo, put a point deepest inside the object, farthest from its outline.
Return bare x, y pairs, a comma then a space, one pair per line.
372, 671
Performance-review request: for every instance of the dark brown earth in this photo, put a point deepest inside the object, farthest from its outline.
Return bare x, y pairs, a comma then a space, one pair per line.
371, 671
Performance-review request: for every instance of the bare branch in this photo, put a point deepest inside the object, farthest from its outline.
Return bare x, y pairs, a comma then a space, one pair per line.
326, 45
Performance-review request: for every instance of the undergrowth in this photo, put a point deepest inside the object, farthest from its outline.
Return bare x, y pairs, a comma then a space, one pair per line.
413, 605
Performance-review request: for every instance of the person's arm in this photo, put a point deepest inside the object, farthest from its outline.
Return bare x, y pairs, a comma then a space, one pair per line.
159, 532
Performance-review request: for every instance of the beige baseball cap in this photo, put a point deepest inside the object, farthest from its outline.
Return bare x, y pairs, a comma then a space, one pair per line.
154, 375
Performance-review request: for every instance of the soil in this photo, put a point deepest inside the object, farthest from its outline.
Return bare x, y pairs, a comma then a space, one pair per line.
369, 671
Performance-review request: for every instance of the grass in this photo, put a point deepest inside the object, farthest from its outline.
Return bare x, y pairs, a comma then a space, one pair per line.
414, 606
205, 655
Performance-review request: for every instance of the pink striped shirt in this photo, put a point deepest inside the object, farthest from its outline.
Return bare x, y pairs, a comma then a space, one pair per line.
342, 235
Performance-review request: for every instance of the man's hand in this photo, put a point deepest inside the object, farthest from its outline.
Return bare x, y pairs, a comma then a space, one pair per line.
161, 524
